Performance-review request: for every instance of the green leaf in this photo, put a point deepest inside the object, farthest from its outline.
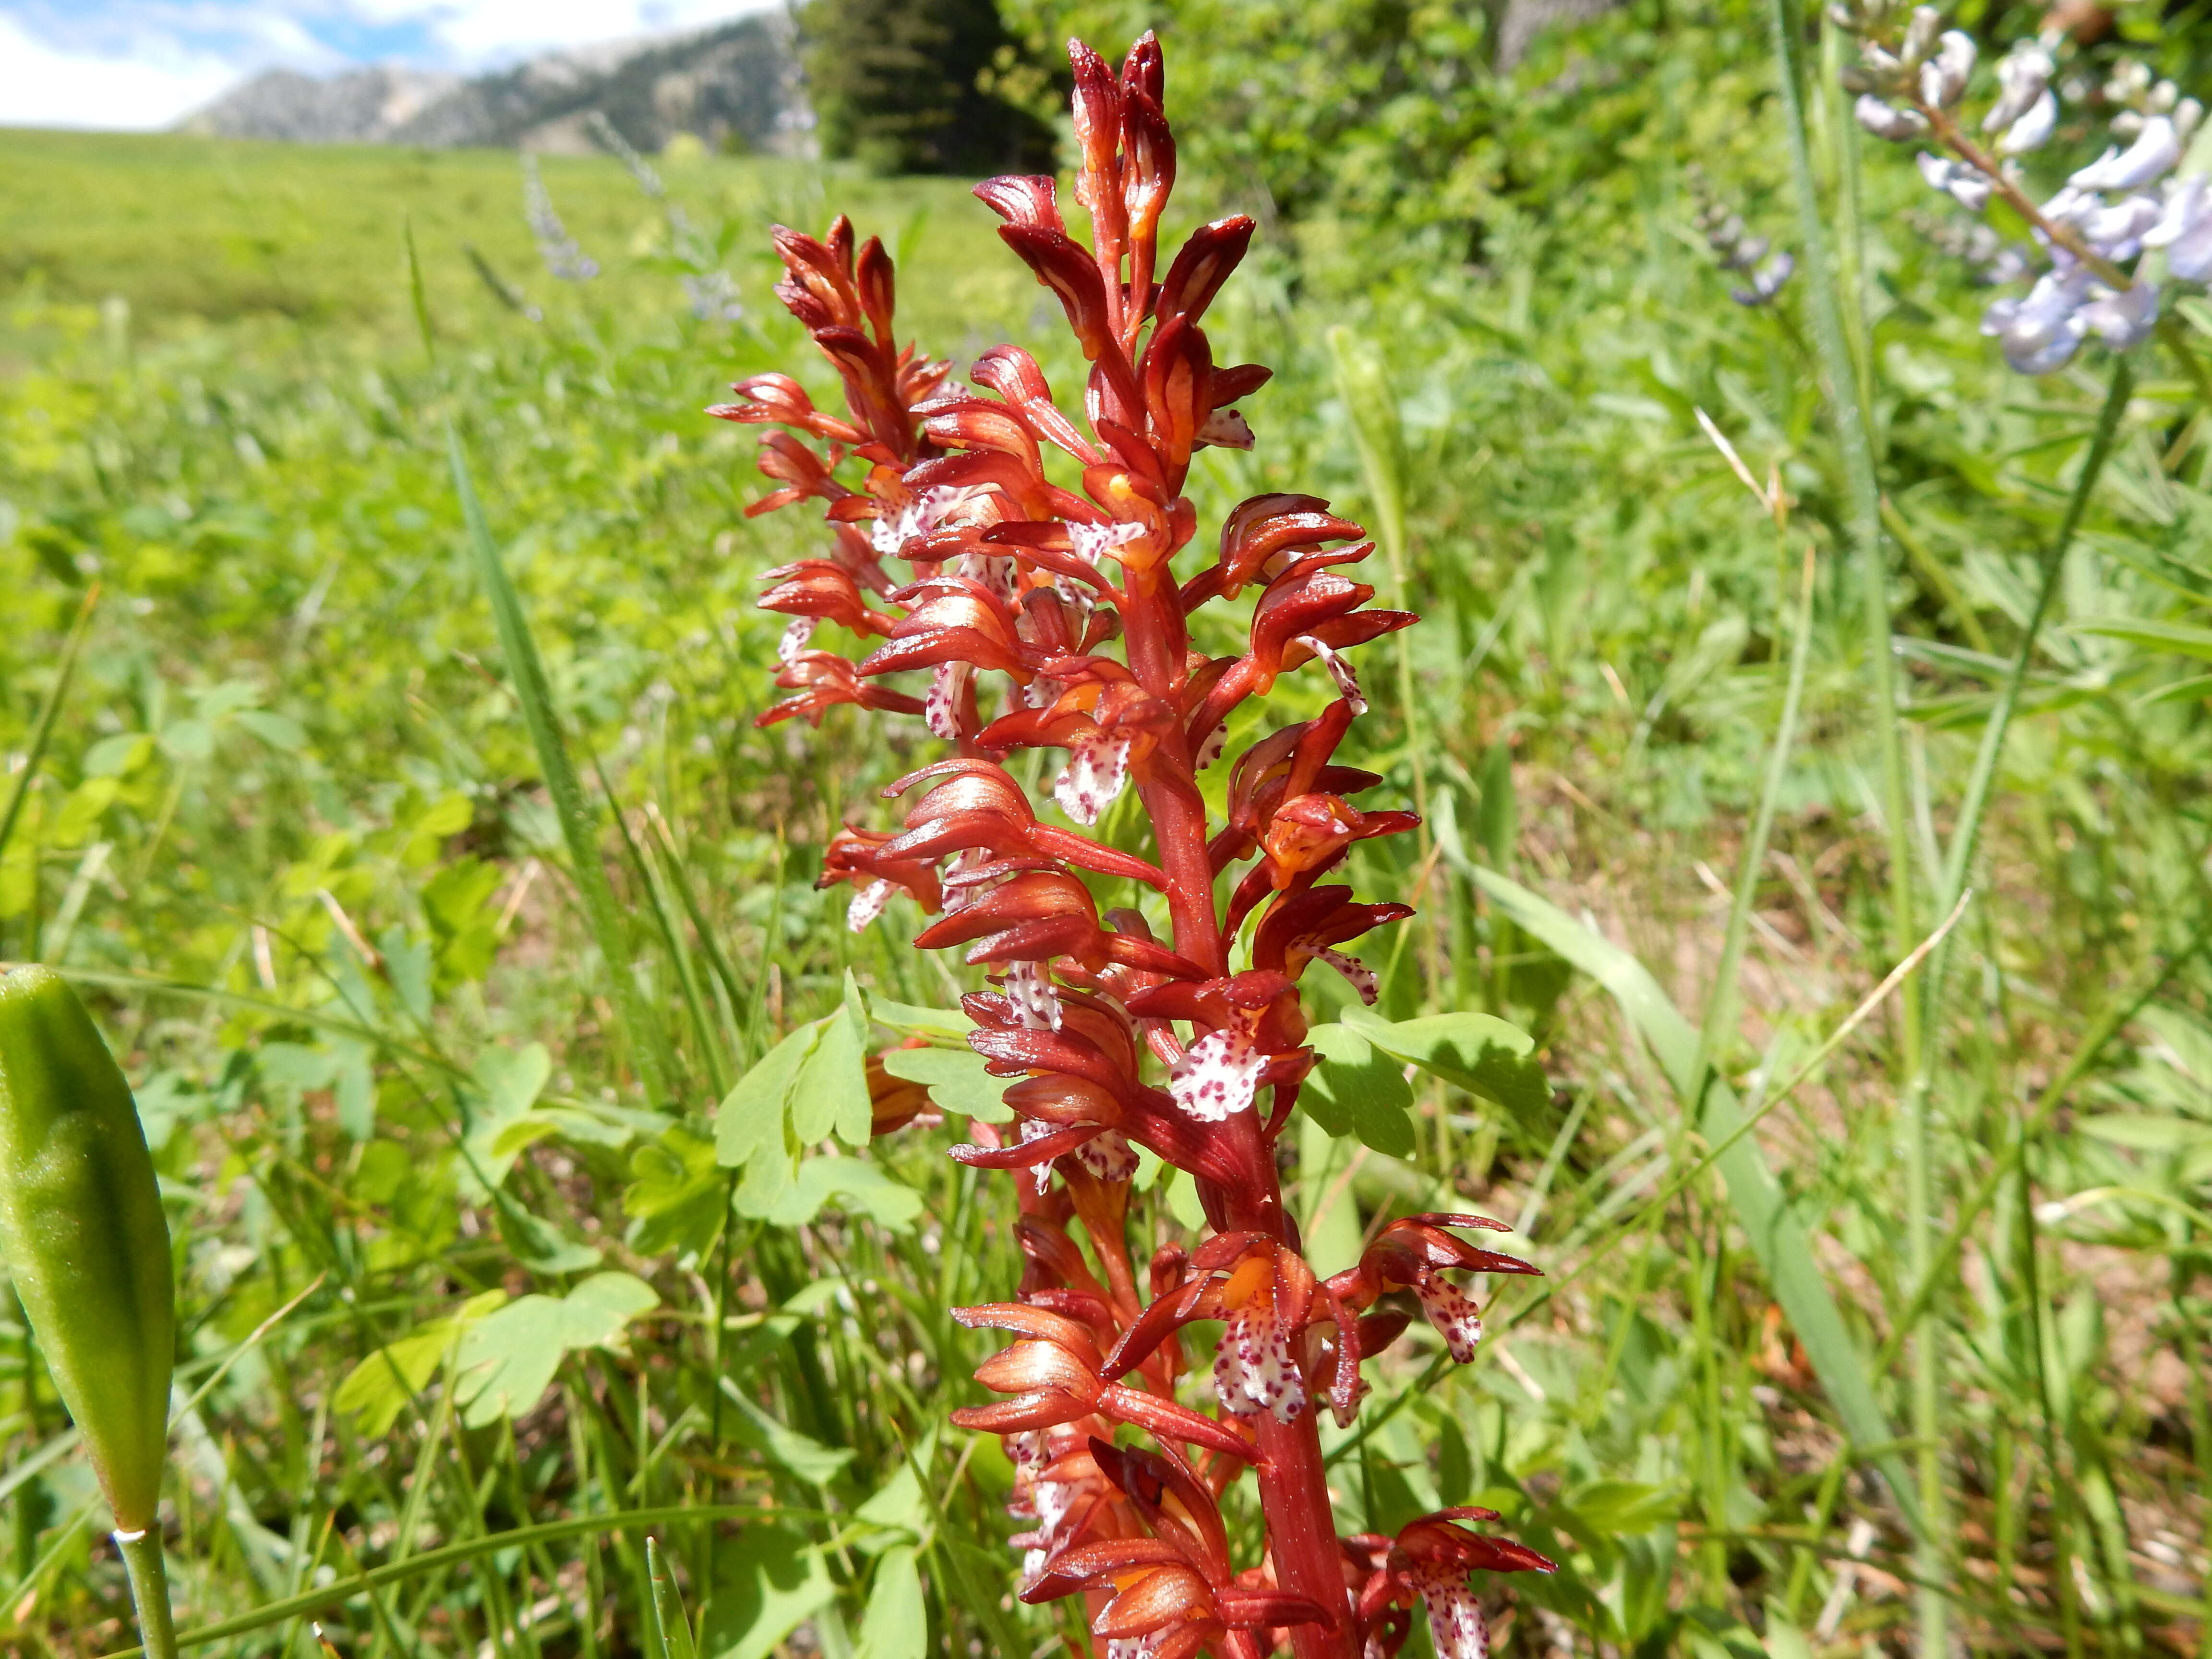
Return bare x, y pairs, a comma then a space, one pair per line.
353, 1087
599, 1310
956, 1079
377, 1389
750, 1119
82, 812
1616, 1507
1475, 1052
770, 1581
677, 1195
508, 1082
2140, 1133
1183, 1201
2188, 691
899, 1506
458, 902
830, 1094
277, 731
2178, 638
928, 1022
187, 740
1775, 1232
870, 1191
506, 1362
117, 757
1357, 1091
541, 1246
407, 965
896, 1623
802, 1455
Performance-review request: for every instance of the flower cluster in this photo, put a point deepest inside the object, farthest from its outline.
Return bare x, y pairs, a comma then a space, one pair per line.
1005, 610
1912, 77
563, 254
1764, 273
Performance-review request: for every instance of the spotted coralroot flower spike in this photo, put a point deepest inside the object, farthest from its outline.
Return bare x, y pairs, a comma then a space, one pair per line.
1038, 616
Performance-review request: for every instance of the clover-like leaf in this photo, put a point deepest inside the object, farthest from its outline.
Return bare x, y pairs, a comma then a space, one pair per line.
506, 1362
956, 1079
375, 1391
1359, 1090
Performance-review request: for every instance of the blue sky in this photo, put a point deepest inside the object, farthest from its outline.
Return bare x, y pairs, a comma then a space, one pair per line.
140, 63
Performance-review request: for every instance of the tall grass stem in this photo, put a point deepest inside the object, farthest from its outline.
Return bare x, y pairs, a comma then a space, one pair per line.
42, 730
1854, 430
1720, 1004
578, 829
1966, 834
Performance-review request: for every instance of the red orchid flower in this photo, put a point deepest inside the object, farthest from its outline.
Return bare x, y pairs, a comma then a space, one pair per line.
1010, 565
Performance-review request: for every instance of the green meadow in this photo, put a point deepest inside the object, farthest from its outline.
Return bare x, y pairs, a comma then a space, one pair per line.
1868, 1300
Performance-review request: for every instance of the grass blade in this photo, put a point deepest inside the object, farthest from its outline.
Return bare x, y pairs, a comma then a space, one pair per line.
419, 300
344, 1589
672, 1629
42, 730
1720, 1007
1961, 853
1776, 1234
578, 828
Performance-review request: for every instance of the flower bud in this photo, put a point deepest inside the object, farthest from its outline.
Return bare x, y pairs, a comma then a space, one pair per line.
2033, 129
1887, 121
1920, 34
1943, 77
82, 1228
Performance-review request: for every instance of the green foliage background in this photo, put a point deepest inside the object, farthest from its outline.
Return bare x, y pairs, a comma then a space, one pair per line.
461, 1270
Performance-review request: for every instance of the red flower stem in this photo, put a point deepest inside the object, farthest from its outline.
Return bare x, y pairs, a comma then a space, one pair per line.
1171, 796
1302, 1528
1293, 1479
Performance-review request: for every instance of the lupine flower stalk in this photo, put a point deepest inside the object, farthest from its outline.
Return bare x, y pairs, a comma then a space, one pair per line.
1766, 270
1038, 616
1912, 77
563, 254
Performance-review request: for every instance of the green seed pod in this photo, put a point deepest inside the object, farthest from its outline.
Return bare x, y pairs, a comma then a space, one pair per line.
82, 1232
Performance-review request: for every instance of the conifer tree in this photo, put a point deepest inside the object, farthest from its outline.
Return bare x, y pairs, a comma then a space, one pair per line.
922, 86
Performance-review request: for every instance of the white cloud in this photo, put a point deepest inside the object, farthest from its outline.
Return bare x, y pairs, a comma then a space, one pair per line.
47, 86
478, 32
145, 63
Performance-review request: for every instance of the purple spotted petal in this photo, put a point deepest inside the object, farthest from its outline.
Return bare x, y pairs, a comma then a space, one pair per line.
941, 706
1455, 1317
1456, 1621
1108, 1155
1033, 997
868, 904
1254, 1369
1347, 683
1097, 767
1357, 972
1217, 1075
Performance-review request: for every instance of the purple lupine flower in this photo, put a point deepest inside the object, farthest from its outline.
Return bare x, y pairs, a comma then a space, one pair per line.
2042, 331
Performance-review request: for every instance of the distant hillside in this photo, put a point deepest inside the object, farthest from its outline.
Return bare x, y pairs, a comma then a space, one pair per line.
736, 85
